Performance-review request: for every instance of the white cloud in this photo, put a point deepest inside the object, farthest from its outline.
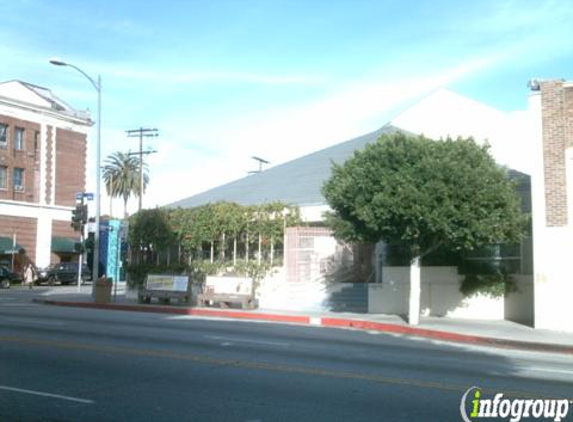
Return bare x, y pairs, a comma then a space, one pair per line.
283, 134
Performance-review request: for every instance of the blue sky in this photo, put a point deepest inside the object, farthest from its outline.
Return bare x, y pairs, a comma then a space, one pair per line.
226, 79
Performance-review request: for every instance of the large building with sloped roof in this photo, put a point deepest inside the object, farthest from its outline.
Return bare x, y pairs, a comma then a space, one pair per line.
299, 182
535, 142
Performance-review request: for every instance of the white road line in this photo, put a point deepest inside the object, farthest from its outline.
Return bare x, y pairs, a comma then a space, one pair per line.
35, 321
240, 340
44, 394
556, 371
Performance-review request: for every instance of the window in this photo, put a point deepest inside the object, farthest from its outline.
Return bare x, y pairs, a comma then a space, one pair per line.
19, 138
3, 177
36, 140
3, 135
18, 179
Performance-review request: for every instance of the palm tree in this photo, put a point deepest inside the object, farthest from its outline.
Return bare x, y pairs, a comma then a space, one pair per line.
121, 176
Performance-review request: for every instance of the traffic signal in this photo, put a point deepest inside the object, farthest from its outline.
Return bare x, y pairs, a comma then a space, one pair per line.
83, 213
79, 217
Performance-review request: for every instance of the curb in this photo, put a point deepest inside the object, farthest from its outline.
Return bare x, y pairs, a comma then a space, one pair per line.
325, 322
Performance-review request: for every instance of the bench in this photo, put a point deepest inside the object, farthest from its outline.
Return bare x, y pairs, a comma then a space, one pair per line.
225, 291
165, 288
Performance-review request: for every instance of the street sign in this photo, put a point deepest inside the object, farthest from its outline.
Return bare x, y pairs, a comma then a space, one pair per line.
87, 195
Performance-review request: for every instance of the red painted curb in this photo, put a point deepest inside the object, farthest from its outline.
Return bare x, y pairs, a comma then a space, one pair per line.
401, 329
325, 322
447, 336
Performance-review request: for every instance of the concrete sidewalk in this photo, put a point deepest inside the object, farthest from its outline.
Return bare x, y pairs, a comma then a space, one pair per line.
504, 334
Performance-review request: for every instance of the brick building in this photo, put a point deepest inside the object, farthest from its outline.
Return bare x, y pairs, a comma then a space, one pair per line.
42, 165
551, 111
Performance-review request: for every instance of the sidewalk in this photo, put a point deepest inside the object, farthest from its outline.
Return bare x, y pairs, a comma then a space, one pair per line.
504, 334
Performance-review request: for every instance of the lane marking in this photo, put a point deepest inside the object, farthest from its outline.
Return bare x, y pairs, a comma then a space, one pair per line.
44, 394
35, 321
264, 366
555, 371
240, 340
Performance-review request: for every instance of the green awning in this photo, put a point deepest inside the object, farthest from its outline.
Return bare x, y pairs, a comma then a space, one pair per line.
64, 244
7, 247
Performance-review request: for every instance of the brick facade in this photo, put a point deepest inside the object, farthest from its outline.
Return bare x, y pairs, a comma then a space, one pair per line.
71, 150
49, 164
27, 158
63, 229
24, 229
557, 132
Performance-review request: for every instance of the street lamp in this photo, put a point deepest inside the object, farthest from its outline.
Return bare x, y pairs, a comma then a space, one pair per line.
97, 86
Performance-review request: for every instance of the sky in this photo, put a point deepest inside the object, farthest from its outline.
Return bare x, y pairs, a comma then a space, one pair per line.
225, 80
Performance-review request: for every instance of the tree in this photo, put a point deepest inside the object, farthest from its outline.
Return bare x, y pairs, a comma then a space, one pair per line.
121, 176
150, 232
424, 194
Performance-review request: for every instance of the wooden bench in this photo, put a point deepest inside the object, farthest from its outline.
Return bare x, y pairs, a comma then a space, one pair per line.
225, 291
165, 288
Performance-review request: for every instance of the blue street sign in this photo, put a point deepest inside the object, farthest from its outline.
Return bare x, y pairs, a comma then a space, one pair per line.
87, 195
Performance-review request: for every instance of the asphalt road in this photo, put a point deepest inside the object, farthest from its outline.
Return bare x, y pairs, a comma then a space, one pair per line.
65, 364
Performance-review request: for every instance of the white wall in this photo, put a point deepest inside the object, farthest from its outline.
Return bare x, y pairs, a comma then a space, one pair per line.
313, 213
519, 305
440, 296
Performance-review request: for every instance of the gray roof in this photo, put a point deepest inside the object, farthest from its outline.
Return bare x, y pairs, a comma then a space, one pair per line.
297, 182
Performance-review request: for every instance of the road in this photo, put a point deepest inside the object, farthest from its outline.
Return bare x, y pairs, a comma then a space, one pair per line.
65, 364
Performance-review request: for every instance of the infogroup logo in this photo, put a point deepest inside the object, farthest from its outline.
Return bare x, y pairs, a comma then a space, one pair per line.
474, 407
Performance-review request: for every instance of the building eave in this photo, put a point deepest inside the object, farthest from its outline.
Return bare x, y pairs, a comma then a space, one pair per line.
60, 115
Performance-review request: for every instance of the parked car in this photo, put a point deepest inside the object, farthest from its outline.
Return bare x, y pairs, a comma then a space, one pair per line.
63, 272
7, 277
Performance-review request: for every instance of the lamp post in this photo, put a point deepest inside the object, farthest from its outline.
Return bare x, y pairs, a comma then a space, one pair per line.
97, 86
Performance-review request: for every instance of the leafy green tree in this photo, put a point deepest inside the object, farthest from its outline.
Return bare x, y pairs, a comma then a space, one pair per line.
424, 194
150, 232
121, 176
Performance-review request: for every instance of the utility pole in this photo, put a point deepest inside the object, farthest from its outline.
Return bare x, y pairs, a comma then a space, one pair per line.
141, 133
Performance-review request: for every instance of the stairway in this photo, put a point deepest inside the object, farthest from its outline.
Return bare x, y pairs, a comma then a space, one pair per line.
352, 297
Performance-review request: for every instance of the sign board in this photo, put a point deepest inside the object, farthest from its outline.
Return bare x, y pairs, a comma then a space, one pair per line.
173, 283
81, 195
229, 285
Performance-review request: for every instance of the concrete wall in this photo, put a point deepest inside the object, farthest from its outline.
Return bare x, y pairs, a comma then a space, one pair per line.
440, 295
276, 292
519, 305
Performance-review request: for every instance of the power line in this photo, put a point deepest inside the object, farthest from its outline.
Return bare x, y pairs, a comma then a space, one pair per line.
141, 133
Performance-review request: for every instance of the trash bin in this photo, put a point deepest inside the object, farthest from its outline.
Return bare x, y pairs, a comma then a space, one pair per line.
103, 290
